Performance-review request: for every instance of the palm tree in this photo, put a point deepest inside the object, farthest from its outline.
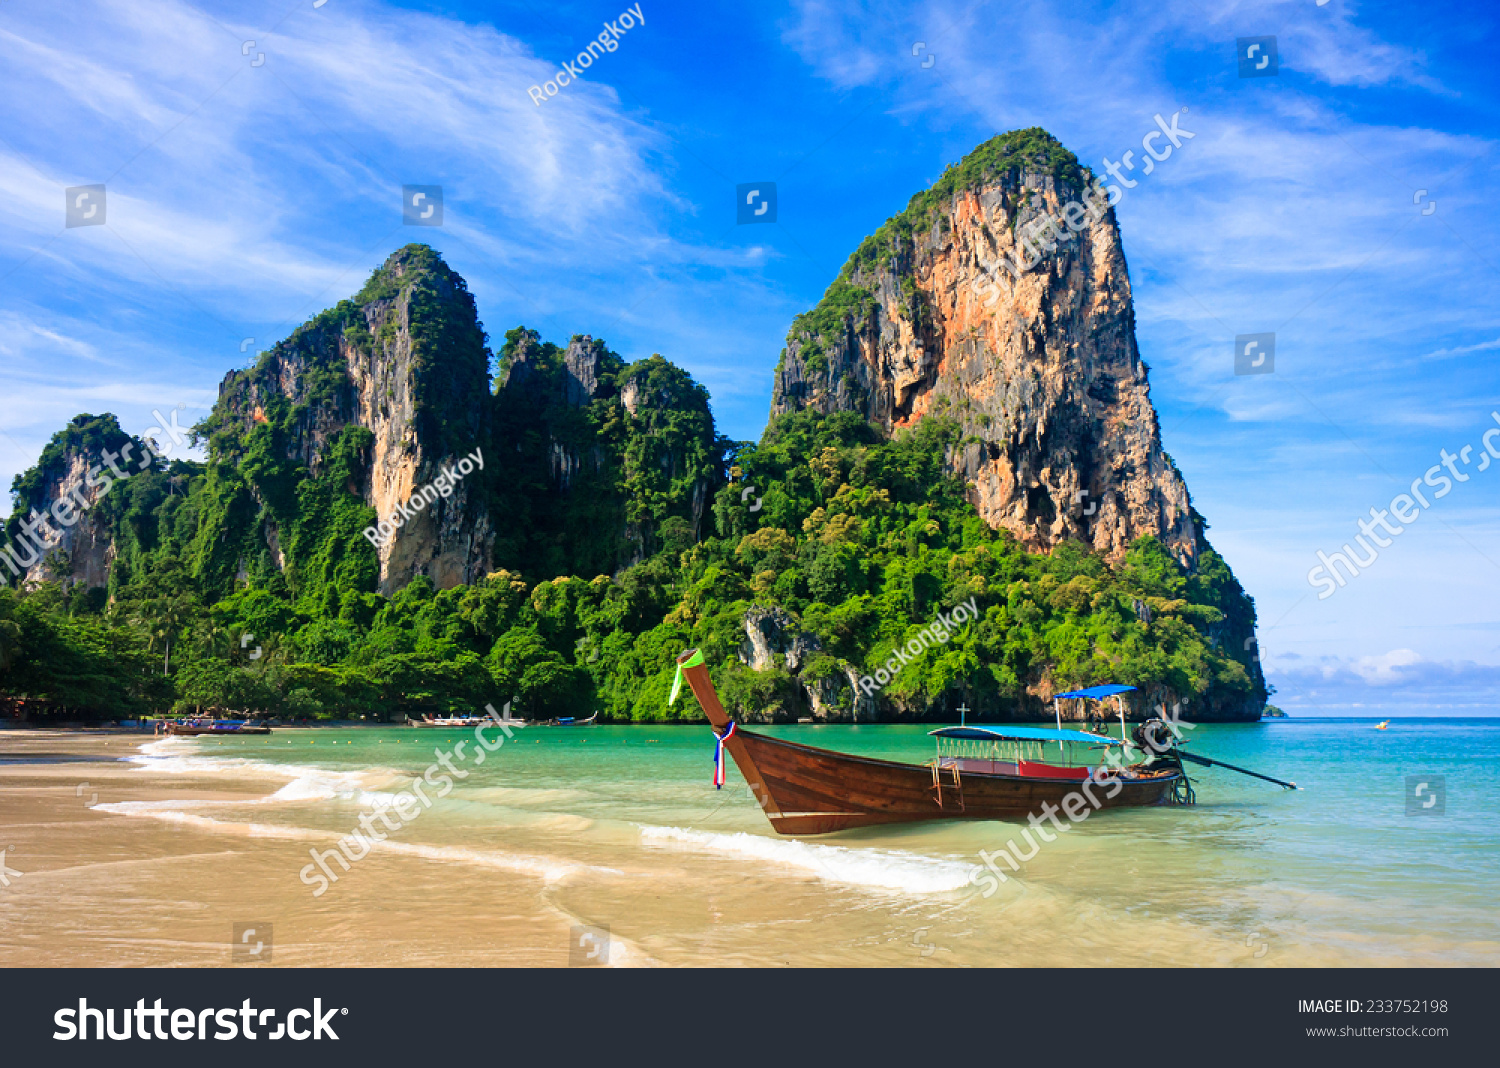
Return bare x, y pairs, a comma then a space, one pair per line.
164, 619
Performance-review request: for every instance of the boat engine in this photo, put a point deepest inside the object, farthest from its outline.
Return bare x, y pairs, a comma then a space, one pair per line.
1154, 736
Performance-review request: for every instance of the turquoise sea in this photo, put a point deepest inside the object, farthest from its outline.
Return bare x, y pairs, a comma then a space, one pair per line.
621, 827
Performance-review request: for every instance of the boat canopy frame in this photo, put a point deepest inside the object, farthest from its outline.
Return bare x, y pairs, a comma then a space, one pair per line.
1102, 692
1020, 744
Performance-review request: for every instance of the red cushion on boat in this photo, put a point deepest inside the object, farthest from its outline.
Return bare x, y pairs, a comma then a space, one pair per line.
1052, 771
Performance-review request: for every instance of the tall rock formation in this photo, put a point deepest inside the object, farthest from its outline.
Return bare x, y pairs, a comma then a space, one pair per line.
405, 361
599, 462
56, 531
938, 313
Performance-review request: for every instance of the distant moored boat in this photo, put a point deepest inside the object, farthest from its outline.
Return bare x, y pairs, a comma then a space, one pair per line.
189, 727
569, 721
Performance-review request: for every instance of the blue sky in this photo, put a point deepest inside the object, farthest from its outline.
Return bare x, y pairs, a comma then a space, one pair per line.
245, 195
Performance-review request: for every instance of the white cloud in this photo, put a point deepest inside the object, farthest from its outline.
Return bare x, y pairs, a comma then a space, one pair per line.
255, 196
1384, 669
1483, 346
19, 335
1399, 682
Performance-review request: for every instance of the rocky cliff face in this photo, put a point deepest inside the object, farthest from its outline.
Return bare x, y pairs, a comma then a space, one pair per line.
339, 429
939, 312
406, 361
774, 640
56, 531
599, 459
534, 379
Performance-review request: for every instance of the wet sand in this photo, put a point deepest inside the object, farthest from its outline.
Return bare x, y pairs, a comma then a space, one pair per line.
102, 888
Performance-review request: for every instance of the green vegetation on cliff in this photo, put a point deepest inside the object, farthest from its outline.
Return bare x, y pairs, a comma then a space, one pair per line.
585, 484
622, 537
1007, 155
863, 541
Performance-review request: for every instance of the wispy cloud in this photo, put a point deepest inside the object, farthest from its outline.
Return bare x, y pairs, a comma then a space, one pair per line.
242, 199
1483, 346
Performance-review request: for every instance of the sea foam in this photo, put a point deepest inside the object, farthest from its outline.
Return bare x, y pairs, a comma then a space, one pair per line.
548, 869
874, 868
307, 782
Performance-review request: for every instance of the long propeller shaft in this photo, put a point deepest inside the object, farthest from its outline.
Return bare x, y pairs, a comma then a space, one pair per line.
1206, 762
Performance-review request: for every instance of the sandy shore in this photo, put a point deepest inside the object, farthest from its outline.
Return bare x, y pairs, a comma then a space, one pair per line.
129, 858
99, 887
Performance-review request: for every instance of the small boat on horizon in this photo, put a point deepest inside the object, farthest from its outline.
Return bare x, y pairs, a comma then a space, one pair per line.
1382, 725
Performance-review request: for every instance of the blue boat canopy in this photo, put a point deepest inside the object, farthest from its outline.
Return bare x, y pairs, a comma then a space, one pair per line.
1027, 734
1109, 689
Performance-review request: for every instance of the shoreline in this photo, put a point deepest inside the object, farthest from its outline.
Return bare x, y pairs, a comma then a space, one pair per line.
139, 851
117, 863
149, 733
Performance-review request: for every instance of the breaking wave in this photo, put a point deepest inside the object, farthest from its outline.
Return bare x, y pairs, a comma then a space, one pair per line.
875, 868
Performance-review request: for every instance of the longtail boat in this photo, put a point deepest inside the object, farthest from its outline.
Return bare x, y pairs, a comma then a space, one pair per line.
192, 727
450, 721
980, 773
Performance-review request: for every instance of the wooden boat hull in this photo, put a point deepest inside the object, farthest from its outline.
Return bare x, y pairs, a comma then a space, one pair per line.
814, 791
806, 790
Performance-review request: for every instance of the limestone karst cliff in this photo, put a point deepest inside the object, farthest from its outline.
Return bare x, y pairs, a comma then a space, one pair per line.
589, 465
946, 430
404, 361
934, 313
57, 529
599, 463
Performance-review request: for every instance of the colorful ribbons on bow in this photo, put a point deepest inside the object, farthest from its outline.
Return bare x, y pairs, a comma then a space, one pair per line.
719, 755
696, 660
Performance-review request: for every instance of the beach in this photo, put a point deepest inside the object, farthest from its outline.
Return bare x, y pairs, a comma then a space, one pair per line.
128, 850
